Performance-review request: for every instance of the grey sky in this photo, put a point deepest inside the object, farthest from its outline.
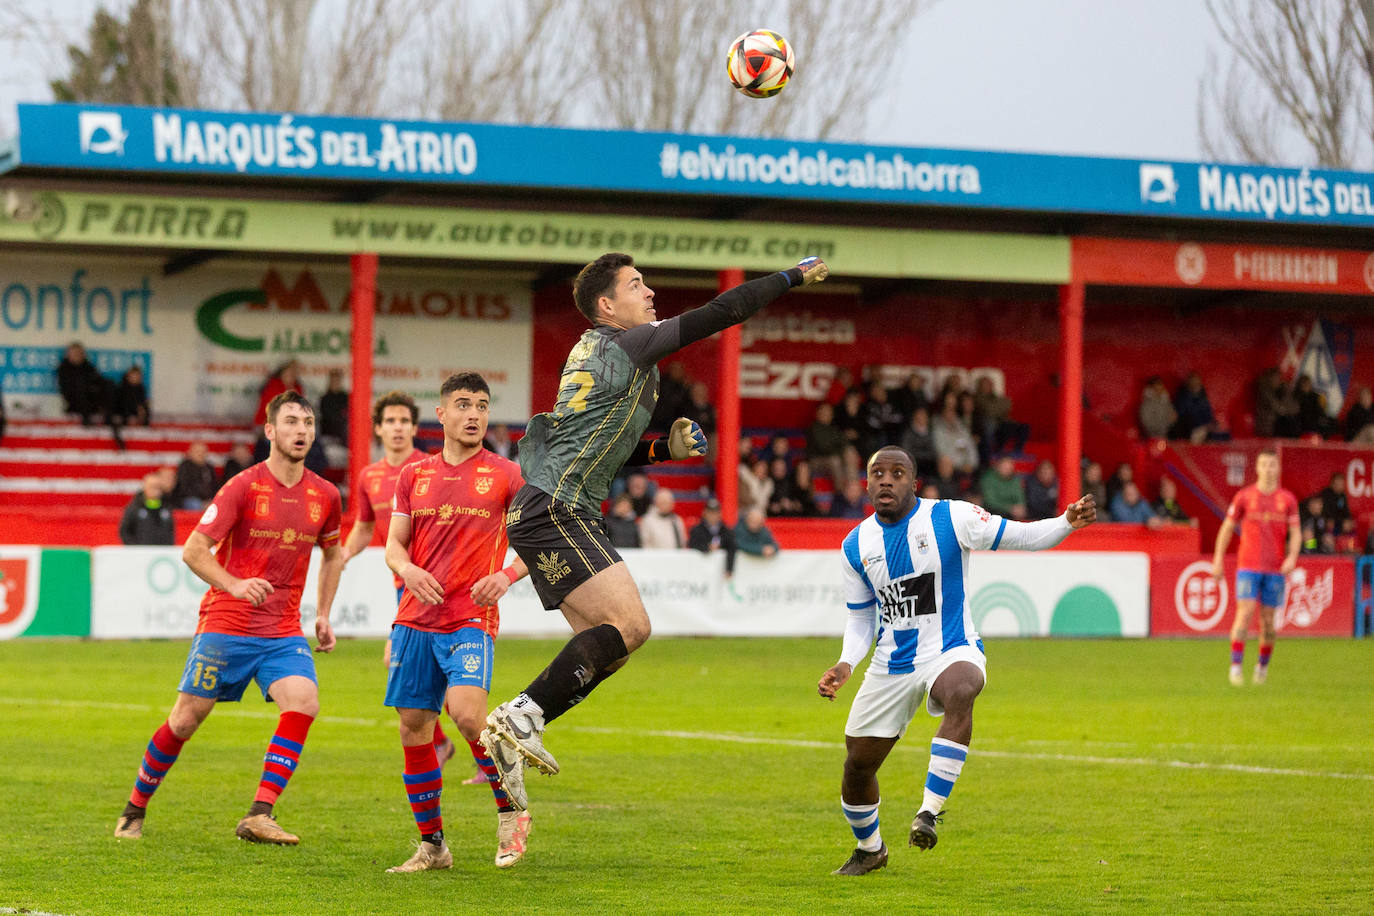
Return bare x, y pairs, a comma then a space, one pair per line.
1091, 77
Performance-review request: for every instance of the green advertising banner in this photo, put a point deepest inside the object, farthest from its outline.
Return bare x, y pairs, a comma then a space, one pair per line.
44, 592
68, 218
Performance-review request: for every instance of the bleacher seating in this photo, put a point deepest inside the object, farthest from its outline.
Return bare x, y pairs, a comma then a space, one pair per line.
56, 462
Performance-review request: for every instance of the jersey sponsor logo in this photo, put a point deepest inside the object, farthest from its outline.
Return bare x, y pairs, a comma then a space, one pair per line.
486, 470
288, 536
267, 533
872, 560
552, 567
1199, 599
512, 516
906, 599
260, 487
211, 513
483, 485
445, 513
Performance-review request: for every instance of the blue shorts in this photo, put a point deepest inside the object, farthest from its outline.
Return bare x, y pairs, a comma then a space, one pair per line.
425, 665
400, 590
1267, 588
220, 666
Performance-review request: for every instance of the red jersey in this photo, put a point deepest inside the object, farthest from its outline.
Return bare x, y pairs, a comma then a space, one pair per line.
1263, 520
265, 530
372, 494
457, 534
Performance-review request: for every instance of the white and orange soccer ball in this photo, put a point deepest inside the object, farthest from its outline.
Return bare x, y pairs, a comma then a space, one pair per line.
760, 63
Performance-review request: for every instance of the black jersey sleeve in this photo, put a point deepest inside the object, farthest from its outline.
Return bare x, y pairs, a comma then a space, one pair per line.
649, 343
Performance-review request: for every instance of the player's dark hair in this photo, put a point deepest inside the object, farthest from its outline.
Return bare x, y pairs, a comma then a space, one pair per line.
287, 397
464, 381
893, 450
597, 279
1267, 450
395, 399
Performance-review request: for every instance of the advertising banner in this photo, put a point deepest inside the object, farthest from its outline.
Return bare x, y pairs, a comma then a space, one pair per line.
147, 592
44, 592
1219, 470
310, 147
207, 338
62, 217
1186, 601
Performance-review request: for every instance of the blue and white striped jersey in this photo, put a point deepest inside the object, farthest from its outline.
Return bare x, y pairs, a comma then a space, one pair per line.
913, 574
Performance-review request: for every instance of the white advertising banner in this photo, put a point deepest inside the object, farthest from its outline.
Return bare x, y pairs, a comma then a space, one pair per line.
147, 592
208, 337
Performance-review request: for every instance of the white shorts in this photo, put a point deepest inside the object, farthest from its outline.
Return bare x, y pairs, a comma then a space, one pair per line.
886, 703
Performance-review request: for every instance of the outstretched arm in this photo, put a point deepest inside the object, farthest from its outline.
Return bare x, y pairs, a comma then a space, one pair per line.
1049, 532
649, 343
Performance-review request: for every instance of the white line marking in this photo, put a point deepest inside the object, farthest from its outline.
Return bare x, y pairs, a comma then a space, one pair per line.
779, 742
10, 909
976, 751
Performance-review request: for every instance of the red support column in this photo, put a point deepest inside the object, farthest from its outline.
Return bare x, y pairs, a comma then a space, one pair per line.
727, 410
1071, 392
362, 303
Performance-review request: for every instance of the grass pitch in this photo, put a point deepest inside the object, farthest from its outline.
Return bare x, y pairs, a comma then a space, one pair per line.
1105, 776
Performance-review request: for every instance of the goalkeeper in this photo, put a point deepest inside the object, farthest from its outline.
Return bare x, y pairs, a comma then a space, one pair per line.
568, 458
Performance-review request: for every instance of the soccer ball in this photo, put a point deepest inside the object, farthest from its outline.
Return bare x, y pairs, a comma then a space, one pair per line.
759, 63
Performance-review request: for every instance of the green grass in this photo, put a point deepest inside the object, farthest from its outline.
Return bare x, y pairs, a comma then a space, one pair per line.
1102, 786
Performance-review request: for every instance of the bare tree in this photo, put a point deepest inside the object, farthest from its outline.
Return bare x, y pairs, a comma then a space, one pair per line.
662, 67
1298, 85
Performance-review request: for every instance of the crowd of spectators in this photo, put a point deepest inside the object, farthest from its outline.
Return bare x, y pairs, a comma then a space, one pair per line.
1328, 525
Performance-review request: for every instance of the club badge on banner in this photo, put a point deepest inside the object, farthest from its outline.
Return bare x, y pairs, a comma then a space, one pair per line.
1186, 601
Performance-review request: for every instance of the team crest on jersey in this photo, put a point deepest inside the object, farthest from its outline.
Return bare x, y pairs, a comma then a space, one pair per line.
260, 507
316, 510
421, 485
471, 663
552, 567
483, 485
922, 543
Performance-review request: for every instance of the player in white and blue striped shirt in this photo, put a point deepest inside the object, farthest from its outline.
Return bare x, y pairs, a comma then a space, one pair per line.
905, 572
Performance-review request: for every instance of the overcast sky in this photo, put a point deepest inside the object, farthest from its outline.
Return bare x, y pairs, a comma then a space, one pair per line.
1113, 78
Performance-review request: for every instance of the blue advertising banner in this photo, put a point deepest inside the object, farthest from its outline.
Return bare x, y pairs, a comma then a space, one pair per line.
319, 147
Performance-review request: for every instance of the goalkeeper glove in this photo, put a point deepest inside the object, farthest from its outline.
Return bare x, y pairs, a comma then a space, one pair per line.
686, 439
811, 270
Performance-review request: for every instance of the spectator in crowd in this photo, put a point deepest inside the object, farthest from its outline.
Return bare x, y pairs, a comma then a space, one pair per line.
780, 447
1156, 412
1312, 415
1335, 503
1359, 420
753, 537
801, 490
946, 478
711, 533
148, 519
1092, 483
755, 485
333, 417
286, 378
780, 476
919, 442
952, 437
622, 524
1042, 492
1347, 539
700, 408
661, 527
640, 489
130, 405
1369, 542
825, 445
1318, 531
86, 392
882, 421
1196, 421
841, 385
1123, 475
930, 491
851, 422
848, 501
240, 457
1276, 407
1003, 492
911, 397
992, 413
1167, 507
674, 396
499, 442
1128, 506
195, 479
